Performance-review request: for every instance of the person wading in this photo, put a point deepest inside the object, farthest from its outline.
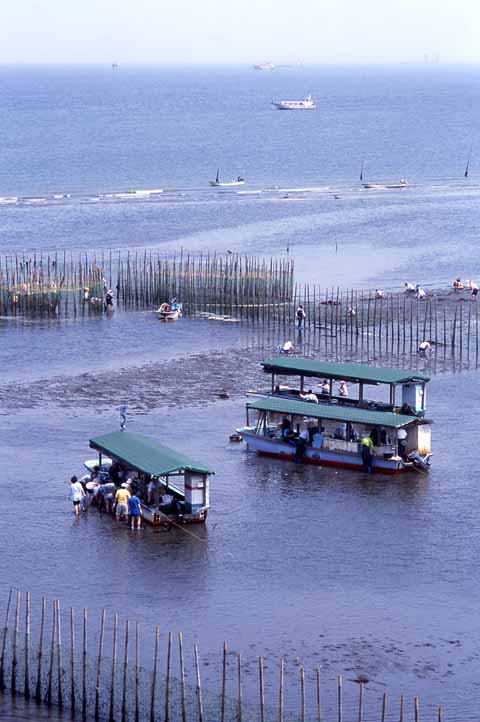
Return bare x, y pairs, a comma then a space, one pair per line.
367, 454
300, 316
77, 494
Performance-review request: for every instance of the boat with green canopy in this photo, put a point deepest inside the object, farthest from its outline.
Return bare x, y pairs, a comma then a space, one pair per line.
411, 396
333, 435
153, 471
329, 427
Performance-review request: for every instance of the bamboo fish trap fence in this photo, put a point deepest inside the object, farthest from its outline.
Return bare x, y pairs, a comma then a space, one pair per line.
97, 672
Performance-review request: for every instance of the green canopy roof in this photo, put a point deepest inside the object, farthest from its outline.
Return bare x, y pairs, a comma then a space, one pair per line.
145, 454
295, 366
334, 412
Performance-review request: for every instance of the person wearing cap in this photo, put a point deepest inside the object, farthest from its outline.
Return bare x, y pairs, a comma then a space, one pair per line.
121, 502
109, 300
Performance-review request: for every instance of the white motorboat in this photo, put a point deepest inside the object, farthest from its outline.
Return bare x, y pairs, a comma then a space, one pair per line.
307, 104
217, 183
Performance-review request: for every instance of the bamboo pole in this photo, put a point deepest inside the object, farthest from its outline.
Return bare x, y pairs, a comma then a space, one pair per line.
302, 694
125, 673
384, 706
360, 703
239, 687
182, 678
340, 698
84, 666
15, 643
199, 685
137, 672
72, 664
99, 666
154, 675
167, 680
261, 689
224, 682
52, 655
38, 686
319, 699
59, 658
111, 715
281, 693
27, 647
4, 642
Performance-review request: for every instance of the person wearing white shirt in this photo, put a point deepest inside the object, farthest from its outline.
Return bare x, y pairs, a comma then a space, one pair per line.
77, 494
309, 396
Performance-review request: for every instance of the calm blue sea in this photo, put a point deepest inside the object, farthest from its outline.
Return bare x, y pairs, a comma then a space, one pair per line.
87, 135
361, 576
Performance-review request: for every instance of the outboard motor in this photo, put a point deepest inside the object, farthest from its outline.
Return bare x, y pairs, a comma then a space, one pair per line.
418, 461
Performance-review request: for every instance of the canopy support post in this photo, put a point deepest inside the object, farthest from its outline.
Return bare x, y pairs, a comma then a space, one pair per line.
360, 392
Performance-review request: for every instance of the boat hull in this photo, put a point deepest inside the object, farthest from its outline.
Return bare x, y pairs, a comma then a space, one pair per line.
226, 184
287, 106
275, 448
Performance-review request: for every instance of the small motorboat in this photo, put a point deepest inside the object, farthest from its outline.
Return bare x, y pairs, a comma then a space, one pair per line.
169, 311
217, 183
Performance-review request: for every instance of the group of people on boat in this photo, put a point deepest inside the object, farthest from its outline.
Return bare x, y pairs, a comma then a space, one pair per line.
325, 391
313, 435
121, 491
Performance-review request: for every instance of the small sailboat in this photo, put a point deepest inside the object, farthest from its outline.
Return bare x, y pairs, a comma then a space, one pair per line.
217, 183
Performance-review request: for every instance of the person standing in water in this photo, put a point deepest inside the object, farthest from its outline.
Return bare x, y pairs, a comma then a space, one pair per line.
135, 511
300, 316
77, 494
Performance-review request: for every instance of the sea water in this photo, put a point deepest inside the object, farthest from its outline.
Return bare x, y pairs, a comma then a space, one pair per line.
331, 568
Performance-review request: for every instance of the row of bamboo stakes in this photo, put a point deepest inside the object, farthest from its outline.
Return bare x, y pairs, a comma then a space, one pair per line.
253, 289
47, 681
62, 284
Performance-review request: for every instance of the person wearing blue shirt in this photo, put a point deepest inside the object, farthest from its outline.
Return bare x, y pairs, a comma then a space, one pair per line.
135, 511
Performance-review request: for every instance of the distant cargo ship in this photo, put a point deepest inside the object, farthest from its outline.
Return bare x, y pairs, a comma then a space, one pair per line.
306, 104
264, 66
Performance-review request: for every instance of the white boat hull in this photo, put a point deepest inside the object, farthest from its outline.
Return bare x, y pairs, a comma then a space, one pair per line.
226, 184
